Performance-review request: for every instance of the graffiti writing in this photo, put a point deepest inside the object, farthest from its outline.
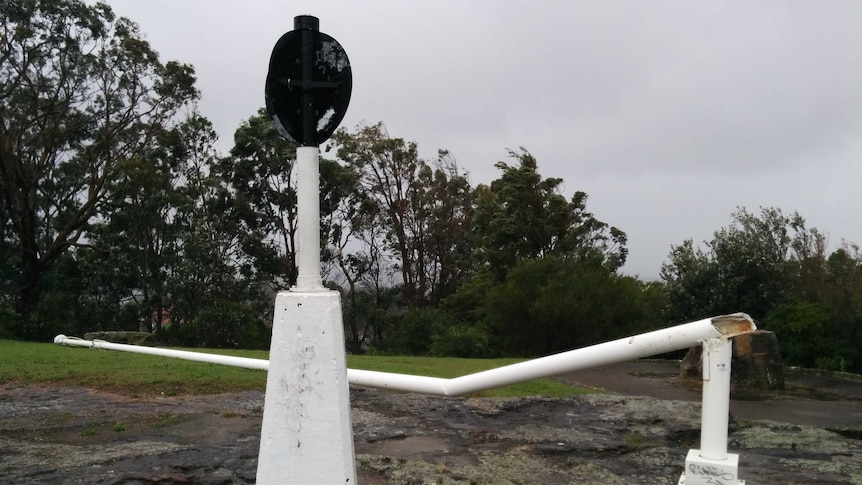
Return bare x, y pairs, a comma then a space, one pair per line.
714, 475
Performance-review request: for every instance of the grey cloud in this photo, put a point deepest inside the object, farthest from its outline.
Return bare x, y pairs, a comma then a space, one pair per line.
653, 107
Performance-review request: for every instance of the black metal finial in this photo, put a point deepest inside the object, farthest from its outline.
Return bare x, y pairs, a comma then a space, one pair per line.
306, 22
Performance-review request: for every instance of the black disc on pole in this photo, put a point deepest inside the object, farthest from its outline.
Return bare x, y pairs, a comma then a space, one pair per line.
308, 85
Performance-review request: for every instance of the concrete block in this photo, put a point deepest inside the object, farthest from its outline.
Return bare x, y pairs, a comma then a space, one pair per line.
702, 471
306, 436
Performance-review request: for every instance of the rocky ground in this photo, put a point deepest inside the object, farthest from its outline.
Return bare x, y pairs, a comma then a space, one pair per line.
813, 435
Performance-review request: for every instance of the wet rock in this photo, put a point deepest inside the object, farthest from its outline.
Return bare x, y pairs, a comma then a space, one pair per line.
691, 367
46, 437
756, 364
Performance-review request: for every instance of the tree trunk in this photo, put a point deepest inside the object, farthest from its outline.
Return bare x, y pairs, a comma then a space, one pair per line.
19, 194
354, 342
31, 283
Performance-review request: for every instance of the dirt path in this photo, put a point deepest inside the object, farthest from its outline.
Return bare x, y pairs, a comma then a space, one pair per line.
813, 399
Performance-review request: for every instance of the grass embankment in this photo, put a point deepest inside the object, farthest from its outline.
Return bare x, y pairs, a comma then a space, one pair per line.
138, 374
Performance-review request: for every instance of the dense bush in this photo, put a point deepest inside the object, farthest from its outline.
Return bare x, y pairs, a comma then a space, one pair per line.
224, 325
462, 341
9, 321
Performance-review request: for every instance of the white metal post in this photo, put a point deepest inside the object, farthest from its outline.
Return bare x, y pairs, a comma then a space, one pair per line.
716, 399
308, 218
712, 464
306, 435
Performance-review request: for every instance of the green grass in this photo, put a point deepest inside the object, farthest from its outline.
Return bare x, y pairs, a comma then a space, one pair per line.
91, 428
137, 374
165, 420
121, 372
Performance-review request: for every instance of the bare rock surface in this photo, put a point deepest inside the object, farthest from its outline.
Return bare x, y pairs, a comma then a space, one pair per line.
67, 435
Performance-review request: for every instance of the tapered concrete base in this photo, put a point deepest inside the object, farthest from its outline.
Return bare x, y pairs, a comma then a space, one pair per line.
306, 436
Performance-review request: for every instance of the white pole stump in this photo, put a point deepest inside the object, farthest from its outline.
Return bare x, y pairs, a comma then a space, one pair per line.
712, 464
306, 435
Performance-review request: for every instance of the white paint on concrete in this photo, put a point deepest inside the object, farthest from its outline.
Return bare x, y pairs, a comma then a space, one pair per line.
703, 471
306, 435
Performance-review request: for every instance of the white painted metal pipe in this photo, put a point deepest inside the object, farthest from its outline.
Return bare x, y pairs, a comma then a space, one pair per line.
248, 363
629, 348
398, 382
382, 380
716, 399
308, 219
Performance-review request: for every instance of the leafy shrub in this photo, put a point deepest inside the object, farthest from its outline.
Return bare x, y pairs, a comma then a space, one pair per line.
223, 325
412, 335
9, 321
549, 305
808, 337
461, 341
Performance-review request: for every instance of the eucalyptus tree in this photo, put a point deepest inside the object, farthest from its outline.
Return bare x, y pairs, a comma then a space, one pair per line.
165, 238
387, 169
81, 92
545, 274
346, 221
134, 241
551, 304
822, 326
258, 174
448, 203
424, 208
209, 257
522, 216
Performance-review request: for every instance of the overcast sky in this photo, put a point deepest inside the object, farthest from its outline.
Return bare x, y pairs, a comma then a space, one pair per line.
669, 114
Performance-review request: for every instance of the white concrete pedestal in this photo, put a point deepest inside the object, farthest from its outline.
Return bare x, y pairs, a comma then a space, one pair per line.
703, 471
306, 435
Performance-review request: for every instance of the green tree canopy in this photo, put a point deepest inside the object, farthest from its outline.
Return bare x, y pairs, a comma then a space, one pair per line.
80, 93
258, 174
548, 305
823, 328
776, 269
751, 266
523, 216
